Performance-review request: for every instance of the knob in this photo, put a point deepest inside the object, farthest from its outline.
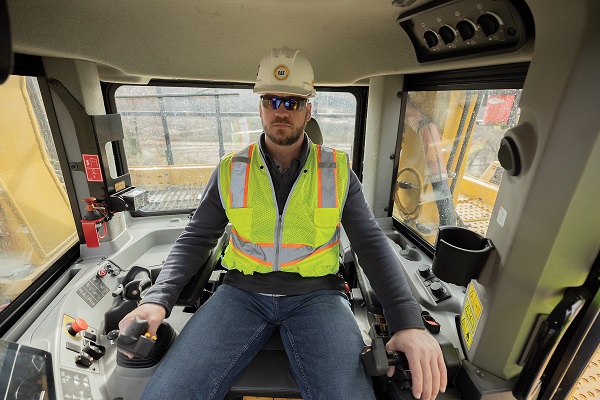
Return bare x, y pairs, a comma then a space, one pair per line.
508, 155
438, 290
77, 326
447, 34
489, 24
113, 335
89, 203
466, 29
431, 38
425, 271
91, 212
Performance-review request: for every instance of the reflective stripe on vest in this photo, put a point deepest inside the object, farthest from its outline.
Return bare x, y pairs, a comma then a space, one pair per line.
327, 178
240, 170
289, 254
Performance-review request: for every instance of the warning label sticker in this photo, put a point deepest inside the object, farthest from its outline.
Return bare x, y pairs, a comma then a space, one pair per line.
91, 162
470, 316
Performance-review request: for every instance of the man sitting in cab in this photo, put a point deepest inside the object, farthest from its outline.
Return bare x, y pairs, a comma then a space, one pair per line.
286, 199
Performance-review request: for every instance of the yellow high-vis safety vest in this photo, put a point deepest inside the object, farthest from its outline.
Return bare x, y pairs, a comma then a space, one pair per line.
305, 238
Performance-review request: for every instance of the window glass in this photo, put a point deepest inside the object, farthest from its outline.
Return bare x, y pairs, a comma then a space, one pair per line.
336, 114
36, 222
175, 136
448, 171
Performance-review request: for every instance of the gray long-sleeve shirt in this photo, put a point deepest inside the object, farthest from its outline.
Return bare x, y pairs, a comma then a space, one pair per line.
368, 241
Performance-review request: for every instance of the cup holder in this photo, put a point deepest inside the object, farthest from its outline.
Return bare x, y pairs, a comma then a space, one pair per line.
460, 255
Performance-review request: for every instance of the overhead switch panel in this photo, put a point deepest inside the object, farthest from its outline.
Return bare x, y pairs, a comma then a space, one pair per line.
448, 29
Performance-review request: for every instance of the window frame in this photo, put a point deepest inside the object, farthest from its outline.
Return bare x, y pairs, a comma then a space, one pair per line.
510, 76
26, 65
359, 92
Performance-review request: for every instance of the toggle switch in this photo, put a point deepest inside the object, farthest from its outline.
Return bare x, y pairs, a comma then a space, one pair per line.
84, 359
95, 350
89, 336
430, 323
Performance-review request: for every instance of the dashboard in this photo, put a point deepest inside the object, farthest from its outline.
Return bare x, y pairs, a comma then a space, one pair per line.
74, 339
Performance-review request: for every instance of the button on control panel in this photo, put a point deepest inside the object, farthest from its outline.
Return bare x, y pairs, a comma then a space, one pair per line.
436, 287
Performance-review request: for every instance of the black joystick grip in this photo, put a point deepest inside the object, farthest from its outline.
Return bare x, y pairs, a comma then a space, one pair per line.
377, 360
135, 340
374, 358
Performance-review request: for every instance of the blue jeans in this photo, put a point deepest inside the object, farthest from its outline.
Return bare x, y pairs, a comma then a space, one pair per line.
320, 335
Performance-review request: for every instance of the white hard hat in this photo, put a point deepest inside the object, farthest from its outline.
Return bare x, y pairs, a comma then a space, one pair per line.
285, 71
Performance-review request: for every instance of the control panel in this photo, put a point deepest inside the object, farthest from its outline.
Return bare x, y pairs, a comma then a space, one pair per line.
84, 356
80, 326
81, 339
431, 292
440, 304
82, 346
448, 29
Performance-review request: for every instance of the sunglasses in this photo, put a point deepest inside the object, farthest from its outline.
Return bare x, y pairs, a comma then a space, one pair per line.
290, 103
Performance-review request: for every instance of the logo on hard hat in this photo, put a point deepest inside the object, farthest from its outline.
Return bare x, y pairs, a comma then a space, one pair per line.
281, 72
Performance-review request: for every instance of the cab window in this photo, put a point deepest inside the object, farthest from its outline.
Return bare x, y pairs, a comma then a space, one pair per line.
448, 171
175, 136
36, 222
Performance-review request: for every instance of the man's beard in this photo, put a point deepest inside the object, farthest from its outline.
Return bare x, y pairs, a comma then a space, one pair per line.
285, 140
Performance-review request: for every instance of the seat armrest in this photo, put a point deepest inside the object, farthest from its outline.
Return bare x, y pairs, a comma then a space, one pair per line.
192, 292
371, 301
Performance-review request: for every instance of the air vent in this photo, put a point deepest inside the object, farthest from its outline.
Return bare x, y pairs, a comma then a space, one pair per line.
449, 29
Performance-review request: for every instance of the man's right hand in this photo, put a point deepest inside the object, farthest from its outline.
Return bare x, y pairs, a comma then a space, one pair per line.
152, 313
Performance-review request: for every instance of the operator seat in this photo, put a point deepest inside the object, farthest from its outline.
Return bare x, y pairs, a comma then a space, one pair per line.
269, 374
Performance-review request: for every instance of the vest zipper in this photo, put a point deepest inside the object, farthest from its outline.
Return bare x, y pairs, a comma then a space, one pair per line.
279, 224
278, 238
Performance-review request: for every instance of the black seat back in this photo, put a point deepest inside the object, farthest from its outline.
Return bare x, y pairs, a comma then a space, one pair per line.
314, 131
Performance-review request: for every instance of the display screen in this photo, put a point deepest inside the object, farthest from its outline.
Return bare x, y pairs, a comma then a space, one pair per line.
25, 373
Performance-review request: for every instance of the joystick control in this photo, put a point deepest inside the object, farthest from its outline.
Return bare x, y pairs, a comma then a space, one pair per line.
136, 340
377, 360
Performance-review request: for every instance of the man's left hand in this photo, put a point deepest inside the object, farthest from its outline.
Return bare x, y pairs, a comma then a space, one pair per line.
425, 361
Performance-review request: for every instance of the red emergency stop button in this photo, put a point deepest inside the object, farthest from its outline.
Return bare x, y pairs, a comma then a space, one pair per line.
77, 326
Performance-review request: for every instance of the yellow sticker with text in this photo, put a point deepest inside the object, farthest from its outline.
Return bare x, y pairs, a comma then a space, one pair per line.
475, 302
470, 316
119, 186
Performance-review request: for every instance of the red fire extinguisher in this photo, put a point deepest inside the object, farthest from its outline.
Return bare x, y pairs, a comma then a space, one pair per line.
95, 217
